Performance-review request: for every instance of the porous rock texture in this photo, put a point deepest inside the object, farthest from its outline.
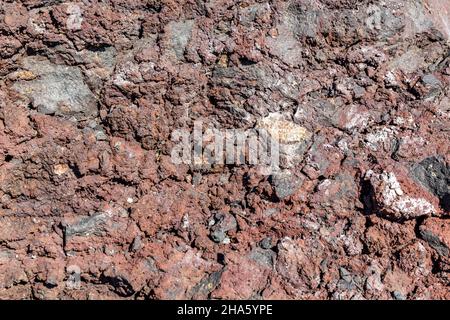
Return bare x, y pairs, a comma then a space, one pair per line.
92, 207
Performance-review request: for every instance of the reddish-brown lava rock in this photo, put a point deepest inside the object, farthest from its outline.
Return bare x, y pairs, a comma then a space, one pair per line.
92, 205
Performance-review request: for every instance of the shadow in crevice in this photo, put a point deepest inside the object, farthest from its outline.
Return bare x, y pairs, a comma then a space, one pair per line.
367, 197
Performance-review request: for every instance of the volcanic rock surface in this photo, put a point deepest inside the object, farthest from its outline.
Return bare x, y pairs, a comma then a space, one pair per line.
93, 207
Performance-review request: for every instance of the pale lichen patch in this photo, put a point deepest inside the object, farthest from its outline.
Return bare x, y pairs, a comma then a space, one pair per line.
286, 131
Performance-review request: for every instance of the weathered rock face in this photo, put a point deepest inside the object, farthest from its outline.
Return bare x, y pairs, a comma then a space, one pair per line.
92, 205
54, 89
393, 201
437, 233
434, 173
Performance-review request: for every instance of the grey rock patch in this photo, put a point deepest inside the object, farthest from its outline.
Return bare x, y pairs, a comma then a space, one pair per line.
225, 222
286, 47
431, 80
5, 255
103, 57
434, 174
345, 274
438, 12
409, 62
270, 212
285, 184
264, 257
150, 264
398, 295
136, 245
304, 20
435, 86
86, 226
207, 284
434, 242
416, 12
180, 35
218, 236
266, 243
56, 89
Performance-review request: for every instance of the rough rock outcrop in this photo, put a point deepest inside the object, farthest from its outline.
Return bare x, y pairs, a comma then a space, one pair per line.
93, 207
